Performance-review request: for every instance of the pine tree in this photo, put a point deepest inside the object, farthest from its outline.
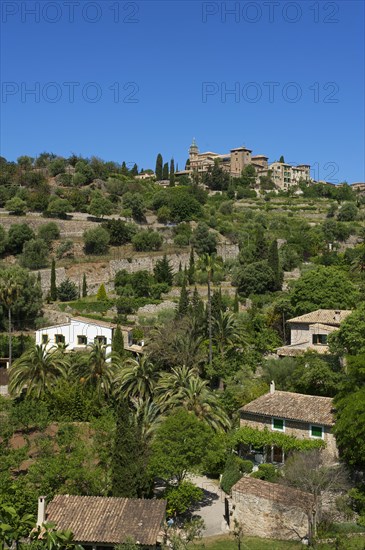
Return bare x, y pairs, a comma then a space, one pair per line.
118, 342
172, 172
183, 306
158, 169
163, 271
129, 458
165, 171
236, 304
273, 261
101, 295
191, 269
53, 289
84, 286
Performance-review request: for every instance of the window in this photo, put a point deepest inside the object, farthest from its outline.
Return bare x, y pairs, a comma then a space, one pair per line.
278, 424
101, 339
319, 339
44, 339
81, 340
316, 431
59, 339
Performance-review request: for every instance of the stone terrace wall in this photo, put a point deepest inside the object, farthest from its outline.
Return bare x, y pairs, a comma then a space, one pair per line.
131, 265
228, 251
46, 277
262, 517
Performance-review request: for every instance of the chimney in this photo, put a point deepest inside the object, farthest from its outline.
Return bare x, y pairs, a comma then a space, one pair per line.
272, 386
41, 518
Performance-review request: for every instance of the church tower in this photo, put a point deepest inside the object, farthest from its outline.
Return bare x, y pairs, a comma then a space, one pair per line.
193, 152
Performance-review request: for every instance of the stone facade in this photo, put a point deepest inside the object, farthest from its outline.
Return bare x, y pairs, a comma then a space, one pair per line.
268, 510
296, 428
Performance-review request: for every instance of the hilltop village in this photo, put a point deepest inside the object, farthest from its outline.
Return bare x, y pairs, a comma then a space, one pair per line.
181, 354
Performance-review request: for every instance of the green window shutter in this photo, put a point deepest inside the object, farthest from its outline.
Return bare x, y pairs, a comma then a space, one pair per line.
316, 431
278, 424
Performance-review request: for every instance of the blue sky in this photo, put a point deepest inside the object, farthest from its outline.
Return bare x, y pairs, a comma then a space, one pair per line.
126, 80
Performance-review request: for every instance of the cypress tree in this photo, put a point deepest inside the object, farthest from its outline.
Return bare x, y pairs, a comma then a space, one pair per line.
281, 159
260, 245
165, 171
183, 301
129, 458
84, 286
273, 261
217, 305
236, 305
197, 305
118, 342
134, 170
172, 172
124, 169
53, 289
158, 169
191, 269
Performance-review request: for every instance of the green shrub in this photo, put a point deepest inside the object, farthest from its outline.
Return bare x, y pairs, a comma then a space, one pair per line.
49, 232
96, 241
267, 472
180, 498
234, 469
147, 240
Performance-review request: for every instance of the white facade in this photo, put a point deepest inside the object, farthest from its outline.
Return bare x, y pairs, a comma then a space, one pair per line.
79, 332
76, 334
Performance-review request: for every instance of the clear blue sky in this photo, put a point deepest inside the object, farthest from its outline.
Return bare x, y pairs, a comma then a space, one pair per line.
297, 69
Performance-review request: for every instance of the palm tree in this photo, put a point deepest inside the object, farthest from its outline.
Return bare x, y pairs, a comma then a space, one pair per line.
358, 263
148, 416
171, 383
137, 378
9, 293
97, 368
37, 371
209, 263
226, 333
184, 388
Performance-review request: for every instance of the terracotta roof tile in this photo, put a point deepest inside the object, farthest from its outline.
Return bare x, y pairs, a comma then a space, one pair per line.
108, 520
325, 316
273, 491
293, 406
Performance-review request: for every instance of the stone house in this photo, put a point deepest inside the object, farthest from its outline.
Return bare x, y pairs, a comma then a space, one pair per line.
79, 332
270, 510
302, 416
99, 523
310, 332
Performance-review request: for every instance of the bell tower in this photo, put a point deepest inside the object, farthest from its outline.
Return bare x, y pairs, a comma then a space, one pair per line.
193, 152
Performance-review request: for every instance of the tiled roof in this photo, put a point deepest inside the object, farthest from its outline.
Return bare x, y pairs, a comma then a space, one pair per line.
273, 491
108, 520
293, 406
324, 316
